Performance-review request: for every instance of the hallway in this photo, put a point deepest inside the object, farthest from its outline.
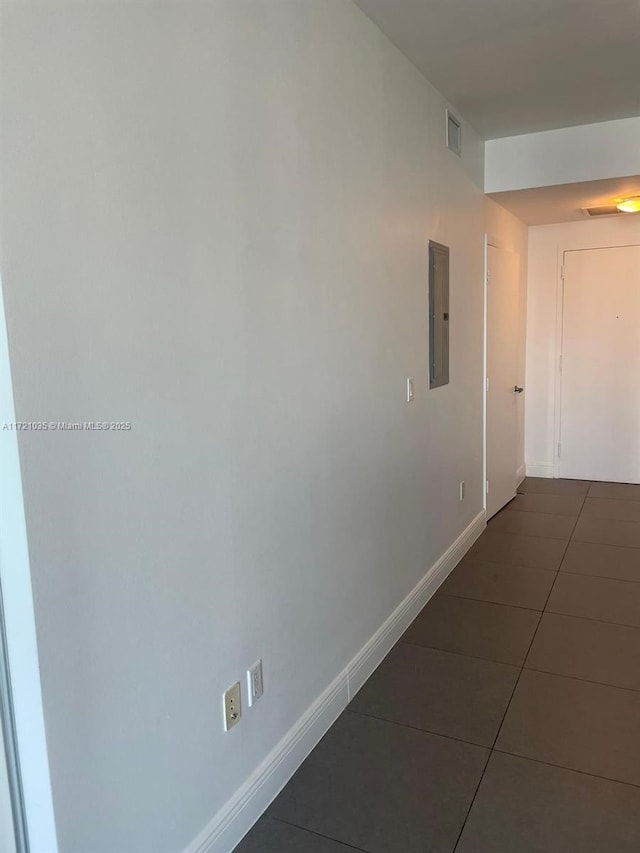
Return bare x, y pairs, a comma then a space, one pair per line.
507, 717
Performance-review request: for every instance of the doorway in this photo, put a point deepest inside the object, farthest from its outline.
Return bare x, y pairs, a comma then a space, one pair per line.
600, 366
502, 392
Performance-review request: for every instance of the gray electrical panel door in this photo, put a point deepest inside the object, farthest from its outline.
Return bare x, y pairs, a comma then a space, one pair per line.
438, 315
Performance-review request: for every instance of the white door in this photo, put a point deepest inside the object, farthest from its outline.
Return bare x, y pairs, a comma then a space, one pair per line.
600, 379
503, 312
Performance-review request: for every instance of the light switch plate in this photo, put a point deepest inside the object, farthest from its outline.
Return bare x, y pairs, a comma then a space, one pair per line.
255, 683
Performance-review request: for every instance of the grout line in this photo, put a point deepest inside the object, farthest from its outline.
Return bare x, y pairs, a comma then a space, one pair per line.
465, 654
455, 654
560, 494
537, 512
473, 799
573, 530
562, 767
617, 500
531, 535
599, 498
495, 532
601, 577
515, 687
418, 729
610, 544
526, 609
546, 610
466, 560
570, 769
498, 603
577, 678
318, 834
508, 509
529, 610
591, 619
495, 740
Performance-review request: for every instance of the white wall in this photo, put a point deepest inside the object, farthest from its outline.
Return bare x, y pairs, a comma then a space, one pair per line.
590, 152
508, 232
547, 243
214, 225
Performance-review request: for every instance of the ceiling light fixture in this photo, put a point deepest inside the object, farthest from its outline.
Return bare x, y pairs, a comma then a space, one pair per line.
629, 205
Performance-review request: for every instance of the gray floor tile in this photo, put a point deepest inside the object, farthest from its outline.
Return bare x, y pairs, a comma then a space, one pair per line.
526, 807
596, 598
541, 502
534, 552
607, 561
533, 524
574, 724
440, 692
500, 583
582, 648
618, 491
273, 836
608, 531
383, 787
475, 628
544, 486
605, 508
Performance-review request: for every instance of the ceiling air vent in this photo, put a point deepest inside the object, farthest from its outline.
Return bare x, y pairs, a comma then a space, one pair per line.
601, 210
454, 134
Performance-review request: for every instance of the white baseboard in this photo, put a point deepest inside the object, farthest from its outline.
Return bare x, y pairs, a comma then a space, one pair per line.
540, 471
240, 812
521, 473
376, 649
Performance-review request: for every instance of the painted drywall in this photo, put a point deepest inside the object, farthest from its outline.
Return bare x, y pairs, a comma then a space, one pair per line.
590, 152
506, 231
547, 243
214, 226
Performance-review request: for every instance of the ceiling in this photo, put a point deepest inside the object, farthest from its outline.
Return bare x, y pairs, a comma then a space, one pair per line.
520, 66
544, 205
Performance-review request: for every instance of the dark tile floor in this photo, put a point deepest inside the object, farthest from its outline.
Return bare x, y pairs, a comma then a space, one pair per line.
507, 719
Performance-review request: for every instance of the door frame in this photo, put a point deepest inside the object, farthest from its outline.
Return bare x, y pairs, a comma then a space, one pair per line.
578, 246
488, 241
28, 759
497, 243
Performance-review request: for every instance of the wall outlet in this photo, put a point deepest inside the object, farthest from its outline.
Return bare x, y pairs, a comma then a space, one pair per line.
232, 706
462, 490
409, 390
255, 683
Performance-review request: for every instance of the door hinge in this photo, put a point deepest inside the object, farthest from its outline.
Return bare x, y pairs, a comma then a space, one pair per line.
488, 276
562, 271
560, 364
486, 384
486, 487
559, 449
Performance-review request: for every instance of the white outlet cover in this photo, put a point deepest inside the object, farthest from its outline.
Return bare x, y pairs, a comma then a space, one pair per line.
232, 706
